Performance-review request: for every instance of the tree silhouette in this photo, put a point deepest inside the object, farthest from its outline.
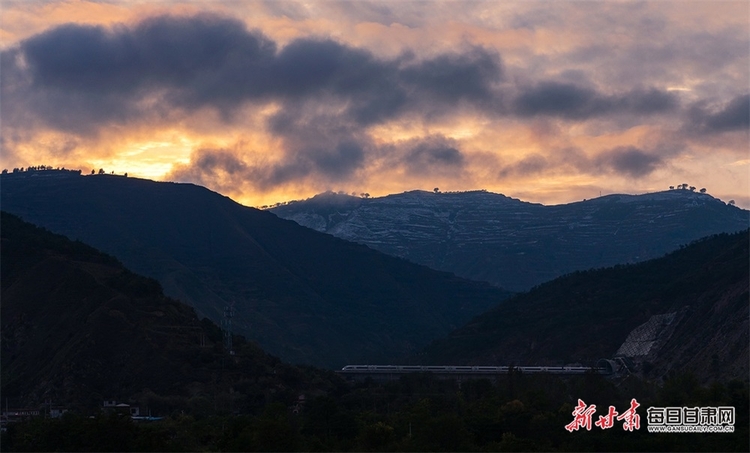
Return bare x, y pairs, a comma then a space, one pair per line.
436, 190
703, 190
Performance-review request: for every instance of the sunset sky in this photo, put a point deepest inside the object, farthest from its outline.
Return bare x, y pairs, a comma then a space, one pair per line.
266, 101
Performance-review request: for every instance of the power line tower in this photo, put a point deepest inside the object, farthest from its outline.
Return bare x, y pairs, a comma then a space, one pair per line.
226, 325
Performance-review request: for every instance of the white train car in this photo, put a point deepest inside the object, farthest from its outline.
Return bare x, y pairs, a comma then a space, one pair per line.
480, 370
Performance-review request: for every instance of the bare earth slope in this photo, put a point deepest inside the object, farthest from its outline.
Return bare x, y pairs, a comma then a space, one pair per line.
687, 311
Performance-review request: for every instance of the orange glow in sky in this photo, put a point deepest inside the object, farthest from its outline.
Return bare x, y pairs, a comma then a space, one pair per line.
267, 101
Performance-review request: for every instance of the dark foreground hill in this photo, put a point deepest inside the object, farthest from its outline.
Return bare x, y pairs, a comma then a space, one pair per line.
302, 295
78, 328
684, 312
514, 244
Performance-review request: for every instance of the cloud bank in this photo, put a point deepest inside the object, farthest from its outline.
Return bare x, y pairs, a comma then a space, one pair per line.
231, 102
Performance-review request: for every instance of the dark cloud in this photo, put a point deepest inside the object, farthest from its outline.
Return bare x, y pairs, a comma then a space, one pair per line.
735, 115
82, 79
309, 69
470, 75
101, 76
211, 162
83, 58
376, 90
321, 124
194, 54
228, 170
429, 155
220, 169
79, 79
341, 161
574, 102
624, 161
557, 99
26, 107
85, 79
640, 101
316, 144
338, 163
629, 161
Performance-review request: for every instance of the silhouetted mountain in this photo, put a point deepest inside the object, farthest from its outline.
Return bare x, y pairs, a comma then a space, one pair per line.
686, 311
513, 244
78, 328
305, 296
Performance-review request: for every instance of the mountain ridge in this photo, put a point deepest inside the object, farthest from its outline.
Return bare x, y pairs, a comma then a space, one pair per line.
304, 296
684, 312
78, 327
515, 244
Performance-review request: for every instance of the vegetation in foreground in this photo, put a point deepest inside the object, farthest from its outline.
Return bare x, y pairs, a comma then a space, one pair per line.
252, 402
418, 413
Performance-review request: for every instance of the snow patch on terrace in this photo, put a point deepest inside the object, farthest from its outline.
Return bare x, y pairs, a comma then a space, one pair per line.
668, 195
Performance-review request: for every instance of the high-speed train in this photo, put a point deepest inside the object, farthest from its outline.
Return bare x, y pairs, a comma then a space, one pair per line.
471, 369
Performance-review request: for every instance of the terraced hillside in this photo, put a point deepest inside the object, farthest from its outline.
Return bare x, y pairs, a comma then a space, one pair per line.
514, 244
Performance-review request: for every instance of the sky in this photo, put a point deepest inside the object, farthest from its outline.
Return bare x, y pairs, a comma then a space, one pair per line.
268, 101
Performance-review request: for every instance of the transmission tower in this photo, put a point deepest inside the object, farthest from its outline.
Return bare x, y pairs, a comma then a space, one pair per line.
226, 325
